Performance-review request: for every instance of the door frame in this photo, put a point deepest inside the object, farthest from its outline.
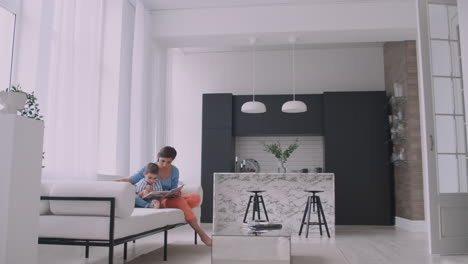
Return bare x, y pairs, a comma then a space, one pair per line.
433, 199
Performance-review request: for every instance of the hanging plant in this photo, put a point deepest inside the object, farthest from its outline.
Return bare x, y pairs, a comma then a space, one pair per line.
31, 108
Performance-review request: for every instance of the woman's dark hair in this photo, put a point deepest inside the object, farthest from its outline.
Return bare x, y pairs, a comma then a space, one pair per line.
167, 152
151, 168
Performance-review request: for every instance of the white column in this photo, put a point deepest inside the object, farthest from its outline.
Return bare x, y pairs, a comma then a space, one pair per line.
20, 166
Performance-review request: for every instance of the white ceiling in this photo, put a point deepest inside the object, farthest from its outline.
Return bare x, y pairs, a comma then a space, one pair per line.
193, 4
195, 50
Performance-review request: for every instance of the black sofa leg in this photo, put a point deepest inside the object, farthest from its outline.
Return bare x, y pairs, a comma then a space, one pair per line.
125, 251
111, 254
87, 252
165, 245
196, 238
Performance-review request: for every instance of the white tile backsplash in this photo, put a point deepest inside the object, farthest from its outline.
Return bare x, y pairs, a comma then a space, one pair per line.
309, 154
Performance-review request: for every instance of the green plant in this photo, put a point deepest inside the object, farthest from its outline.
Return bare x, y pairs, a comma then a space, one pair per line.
31, 108
278, 152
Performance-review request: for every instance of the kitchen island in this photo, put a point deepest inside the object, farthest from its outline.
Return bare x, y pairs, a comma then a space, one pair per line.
284, 197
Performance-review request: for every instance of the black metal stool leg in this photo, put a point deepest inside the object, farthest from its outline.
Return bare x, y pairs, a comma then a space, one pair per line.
196, 237
316, 198
258, 207
308, 218
247, 210
304, 216
313, 202
254, 207
323, 215
264, 208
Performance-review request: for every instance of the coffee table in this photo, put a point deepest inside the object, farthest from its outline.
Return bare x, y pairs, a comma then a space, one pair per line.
233, 245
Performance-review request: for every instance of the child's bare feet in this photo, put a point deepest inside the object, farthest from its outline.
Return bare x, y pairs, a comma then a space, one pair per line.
155, 204
206, 239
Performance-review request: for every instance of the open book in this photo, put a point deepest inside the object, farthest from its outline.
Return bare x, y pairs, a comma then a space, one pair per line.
162, 194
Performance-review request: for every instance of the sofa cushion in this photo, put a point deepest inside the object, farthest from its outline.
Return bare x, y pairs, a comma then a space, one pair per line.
123, 192
97, 227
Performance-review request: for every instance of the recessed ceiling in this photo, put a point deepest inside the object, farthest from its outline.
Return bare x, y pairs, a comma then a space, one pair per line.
193, 4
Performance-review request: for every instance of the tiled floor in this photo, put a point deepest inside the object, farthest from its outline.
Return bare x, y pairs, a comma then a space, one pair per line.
352, 245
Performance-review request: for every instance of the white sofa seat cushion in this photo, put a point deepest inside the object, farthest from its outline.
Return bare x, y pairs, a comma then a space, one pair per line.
123, 192
97, 227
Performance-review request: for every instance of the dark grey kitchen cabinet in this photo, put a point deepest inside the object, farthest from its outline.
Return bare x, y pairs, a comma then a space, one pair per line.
357, 152
217, 146
217, 111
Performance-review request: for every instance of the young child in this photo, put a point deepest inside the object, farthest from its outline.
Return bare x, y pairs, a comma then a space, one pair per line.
146, 185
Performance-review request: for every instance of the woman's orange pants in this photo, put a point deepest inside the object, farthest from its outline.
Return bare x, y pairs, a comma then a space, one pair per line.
185, 203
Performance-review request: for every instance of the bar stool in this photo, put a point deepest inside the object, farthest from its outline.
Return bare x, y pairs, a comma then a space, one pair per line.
313, 200
256, 199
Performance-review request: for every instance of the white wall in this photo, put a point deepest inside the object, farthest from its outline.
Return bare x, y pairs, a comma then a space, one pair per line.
7, 25
317, 70
11, 5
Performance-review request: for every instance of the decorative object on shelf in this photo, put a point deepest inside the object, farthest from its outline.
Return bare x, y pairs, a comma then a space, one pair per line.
397, 123
294, 106
18, 101
281, 155
397, 89
253, 107
251, 165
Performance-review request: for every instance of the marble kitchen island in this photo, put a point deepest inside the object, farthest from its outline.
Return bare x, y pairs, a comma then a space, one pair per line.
285, 198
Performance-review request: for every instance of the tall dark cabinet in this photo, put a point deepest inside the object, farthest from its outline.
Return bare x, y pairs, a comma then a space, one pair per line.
357, 152
217, 146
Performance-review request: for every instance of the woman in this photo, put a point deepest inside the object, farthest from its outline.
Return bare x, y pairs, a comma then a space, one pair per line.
169, 178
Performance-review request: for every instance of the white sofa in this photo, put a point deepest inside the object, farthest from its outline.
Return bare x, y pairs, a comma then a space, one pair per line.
102, 214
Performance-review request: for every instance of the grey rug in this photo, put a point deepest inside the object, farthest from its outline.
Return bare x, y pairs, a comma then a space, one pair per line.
188, 253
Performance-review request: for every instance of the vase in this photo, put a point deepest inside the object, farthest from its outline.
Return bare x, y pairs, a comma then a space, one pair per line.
12, 102
281, 166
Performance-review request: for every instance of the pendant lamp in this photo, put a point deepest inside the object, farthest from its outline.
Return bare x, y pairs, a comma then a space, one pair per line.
294, 106
253, 107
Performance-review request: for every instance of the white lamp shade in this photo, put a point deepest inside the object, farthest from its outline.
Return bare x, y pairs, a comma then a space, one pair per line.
253, 107
294, 107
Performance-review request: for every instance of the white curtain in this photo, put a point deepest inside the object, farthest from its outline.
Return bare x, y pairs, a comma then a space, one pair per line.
73, 93
147, 96
98, 98
140, 139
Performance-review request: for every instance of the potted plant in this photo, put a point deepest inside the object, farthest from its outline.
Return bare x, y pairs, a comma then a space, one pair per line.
12, 100
15, 100
281, 155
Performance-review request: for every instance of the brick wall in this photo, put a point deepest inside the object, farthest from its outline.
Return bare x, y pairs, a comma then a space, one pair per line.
401, 66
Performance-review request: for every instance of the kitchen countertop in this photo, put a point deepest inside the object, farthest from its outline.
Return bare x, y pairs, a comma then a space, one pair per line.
285, 198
